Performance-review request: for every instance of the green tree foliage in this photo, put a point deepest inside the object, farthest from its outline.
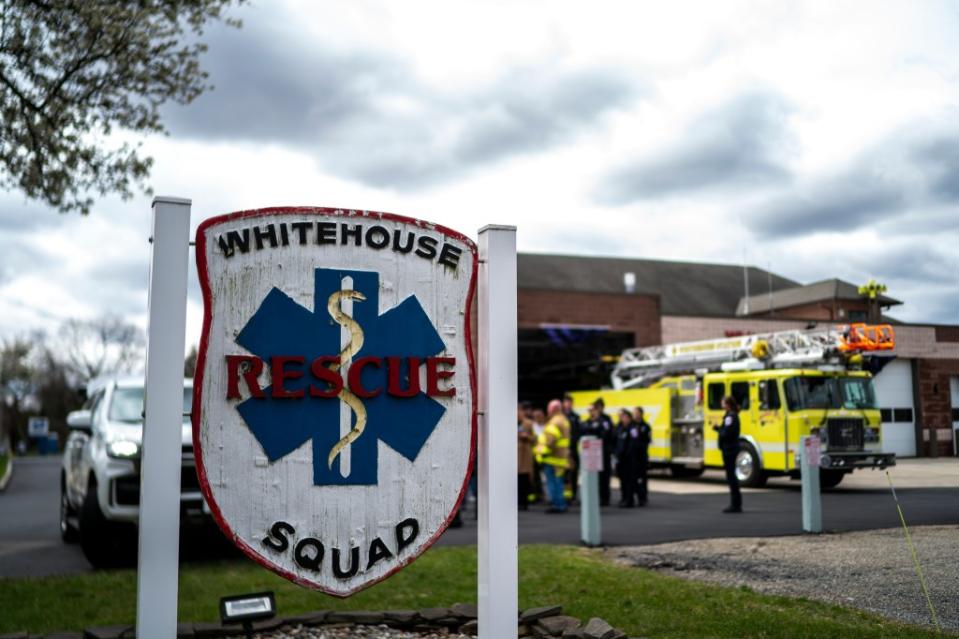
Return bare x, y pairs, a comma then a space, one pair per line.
71, 73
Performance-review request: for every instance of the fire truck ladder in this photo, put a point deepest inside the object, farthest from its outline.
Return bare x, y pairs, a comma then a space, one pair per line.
826, 348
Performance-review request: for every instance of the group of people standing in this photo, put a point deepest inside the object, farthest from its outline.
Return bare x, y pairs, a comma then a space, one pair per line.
548, 449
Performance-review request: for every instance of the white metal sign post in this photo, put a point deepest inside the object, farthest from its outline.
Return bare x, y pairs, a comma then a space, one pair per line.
160, 471
498, 529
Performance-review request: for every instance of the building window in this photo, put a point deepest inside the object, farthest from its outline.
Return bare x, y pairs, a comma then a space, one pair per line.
955, 414
858, 316
902, 415
886, 414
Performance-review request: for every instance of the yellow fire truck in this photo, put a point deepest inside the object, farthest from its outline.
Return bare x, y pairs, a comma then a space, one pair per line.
788, 384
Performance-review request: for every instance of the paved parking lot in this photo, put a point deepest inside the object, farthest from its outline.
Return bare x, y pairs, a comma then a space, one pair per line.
679, 509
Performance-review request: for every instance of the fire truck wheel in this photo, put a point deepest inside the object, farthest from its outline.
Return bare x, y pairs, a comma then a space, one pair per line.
749, 470
830, 478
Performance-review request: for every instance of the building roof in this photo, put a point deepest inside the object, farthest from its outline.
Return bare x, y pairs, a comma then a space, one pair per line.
684, 288
832, 289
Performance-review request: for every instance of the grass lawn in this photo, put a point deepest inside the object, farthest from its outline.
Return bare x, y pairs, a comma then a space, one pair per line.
638, 601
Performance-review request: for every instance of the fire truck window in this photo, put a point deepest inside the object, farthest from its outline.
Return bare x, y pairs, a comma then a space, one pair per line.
688, 384
740, 392
716, 392
769, 394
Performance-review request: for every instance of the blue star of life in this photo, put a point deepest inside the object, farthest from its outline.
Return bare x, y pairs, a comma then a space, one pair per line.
281, 326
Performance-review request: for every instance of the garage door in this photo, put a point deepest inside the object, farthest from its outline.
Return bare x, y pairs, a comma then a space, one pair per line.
894, 394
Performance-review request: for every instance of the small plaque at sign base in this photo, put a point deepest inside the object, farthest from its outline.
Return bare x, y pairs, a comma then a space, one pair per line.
334, 413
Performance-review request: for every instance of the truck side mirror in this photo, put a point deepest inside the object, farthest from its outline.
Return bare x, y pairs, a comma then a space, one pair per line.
79, 420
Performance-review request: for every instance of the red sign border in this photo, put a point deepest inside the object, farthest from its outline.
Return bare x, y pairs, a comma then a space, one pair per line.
201, 262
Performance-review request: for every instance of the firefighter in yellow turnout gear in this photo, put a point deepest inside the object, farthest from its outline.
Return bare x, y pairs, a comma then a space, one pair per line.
552, 452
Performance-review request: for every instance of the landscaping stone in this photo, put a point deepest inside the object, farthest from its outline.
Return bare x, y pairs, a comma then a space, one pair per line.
533, 614
432, 614
468, 611
596, 628
456, 622
362, 617
556, 626
110, 632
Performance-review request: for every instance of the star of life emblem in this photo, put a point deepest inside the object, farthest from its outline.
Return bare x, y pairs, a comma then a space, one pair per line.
334, 411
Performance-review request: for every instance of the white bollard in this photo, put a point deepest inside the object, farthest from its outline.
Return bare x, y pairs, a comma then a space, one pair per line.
158, 562
498, 585
811, 498
590, 463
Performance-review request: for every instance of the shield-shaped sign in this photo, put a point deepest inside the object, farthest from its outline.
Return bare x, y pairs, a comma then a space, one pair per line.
334, 406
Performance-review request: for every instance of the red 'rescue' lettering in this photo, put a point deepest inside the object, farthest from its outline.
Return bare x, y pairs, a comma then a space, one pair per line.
401, 378
280, 375
356, 386
321, 371
395, 367
434, 375
251, 369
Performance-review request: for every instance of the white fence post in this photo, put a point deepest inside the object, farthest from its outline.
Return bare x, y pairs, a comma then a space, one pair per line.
158, 562
498, 592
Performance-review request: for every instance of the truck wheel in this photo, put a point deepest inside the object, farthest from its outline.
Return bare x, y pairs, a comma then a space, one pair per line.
68, 532
830, 478
749, 470
96, 533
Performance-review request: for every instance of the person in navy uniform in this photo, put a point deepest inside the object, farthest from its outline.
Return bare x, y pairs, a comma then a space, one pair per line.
729, 445
601, 426
645, 432
627, 457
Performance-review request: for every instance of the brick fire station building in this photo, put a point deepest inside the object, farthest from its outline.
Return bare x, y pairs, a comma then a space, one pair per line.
576, 314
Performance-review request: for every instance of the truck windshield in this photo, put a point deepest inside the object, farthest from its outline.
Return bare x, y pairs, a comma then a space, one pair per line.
857, 392
829, 392
126, 405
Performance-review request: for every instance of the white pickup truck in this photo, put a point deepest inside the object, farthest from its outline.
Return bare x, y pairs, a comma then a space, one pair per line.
100, 477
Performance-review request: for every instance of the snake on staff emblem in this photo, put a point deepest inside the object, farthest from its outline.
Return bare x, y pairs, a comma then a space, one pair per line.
351, 349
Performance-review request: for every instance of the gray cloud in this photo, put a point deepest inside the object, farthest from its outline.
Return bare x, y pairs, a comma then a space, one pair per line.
367, 117
742, 143
840, 204
940, 160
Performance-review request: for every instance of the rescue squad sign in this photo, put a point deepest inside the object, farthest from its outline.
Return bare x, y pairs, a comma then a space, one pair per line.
334, 412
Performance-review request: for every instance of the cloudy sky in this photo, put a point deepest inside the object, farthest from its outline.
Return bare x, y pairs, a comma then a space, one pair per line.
816, 139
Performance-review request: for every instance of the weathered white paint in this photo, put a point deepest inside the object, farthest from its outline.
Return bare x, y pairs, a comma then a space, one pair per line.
498, 588
158, 560
251, 493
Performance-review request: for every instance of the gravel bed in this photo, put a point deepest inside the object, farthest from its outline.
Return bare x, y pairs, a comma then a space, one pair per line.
352, 632
871, 570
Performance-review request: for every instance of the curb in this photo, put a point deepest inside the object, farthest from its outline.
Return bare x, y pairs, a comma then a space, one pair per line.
7, 475
546, 622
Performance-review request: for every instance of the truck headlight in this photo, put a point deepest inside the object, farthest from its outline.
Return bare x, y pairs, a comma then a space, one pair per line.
123, 448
